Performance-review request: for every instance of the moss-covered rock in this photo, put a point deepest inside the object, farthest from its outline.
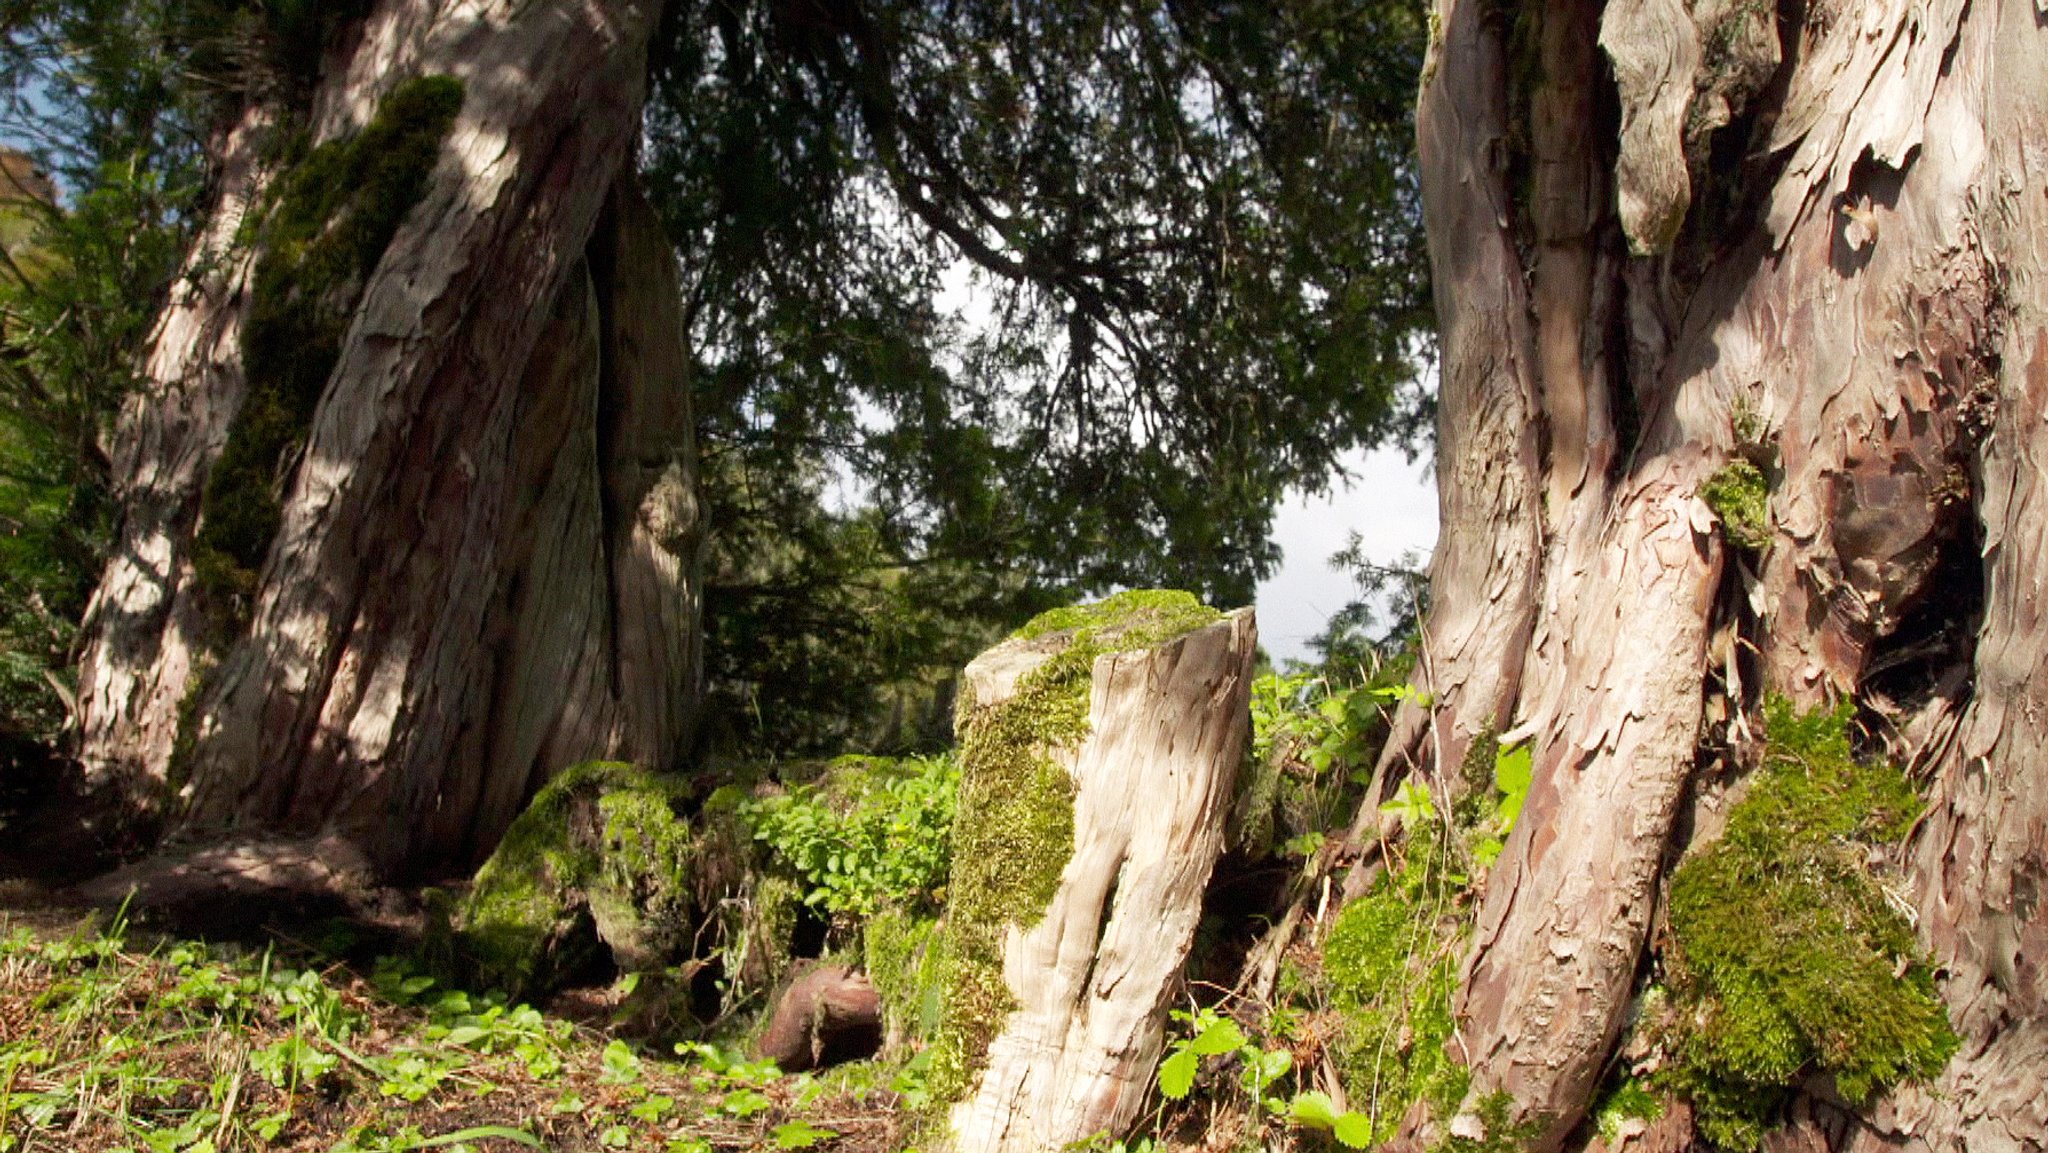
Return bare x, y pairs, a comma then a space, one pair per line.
601, 858
1786, 957
902, 957
1014, 831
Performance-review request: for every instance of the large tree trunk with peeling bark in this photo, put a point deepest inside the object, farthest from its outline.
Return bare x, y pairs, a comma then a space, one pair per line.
483, 568
1665, 235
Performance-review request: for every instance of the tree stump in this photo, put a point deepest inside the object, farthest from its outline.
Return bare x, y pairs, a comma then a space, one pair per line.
1068, 973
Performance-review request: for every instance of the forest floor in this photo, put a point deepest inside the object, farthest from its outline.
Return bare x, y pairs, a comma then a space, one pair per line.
113, 1037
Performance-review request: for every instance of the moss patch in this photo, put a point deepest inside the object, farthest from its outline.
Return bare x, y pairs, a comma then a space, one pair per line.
1741, 499
1015, 826
1786, 957
325, 227
901, 957
1390, 966
601, 855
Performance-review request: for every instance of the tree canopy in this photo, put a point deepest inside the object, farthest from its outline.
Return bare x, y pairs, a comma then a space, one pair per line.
1191, 231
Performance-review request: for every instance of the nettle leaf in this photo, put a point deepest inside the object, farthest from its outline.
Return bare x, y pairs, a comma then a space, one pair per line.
1177, 1074
1411, 804
1223, 1036
1314, 1110
1354, 1130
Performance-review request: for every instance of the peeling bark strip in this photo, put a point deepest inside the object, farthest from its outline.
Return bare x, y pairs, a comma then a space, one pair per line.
1872, 330
473, 505
1093, 977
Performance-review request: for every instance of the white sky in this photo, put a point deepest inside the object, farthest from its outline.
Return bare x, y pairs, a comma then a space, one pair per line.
1390, 503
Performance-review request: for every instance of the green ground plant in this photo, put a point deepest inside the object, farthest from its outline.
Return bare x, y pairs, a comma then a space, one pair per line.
1261, 1074
185, 1047
873, 833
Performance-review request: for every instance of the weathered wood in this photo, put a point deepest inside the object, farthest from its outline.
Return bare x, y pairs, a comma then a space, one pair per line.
143, 631
1484, 571
1093, 978
829, 1014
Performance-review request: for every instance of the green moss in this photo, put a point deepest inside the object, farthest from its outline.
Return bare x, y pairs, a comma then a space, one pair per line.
1158, 614
1621, 1102
599, 856
901, 959
326, 225
1390, 967
1786, 957
1014, 831
185, 743
1741, 499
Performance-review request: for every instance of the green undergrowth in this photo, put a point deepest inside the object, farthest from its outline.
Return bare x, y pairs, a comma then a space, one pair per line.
1312, 750
320, 234
871, 833
1371, 1001
1015, 829
1787, 958
178, 1046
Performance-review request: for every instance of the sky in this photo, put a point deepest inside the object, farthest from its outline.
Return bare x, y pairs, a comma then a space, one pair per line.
1389, 502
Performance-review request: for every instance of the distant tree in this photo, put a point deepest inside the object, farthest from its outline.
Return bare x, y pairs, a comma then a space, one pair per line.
1195, 232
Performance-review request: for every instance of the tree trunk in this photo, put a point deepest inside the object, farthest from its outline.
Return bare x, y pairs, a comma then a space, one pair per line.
1816, 238
1092, 977
483, 562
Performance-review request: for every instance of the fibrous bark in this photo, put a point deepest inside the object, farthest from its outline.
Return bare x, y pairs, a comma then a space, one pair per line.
1846, 290
484, 564
1092, 978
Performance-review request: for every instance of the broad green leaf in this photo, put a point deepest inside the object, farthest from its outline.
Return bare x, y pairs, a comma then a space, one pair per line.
1354, 1130
1512, 771
1222, 1037
801, 1135
1314, 1110
479, 1133
1411, 804
1177, 1074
